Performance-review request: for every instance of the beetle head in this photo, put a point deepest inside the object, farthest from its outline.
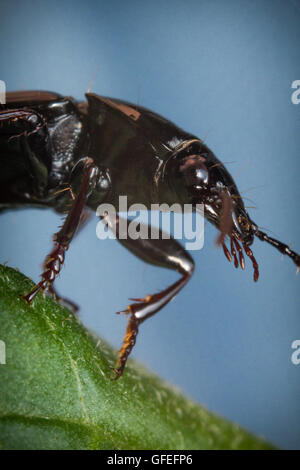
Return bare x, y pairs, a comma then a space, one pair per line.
198, 177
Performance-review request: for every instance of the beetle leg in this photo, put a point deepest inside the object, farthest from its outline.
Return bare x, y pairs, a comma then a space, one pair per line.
62, 239
143, 309
128, 343
162, 252
9, 119
20, 128
62, 300
85, 217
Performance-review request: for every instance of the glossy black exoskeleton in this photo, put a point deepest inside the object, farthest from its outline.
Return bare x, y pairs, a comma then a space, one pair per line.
72, 156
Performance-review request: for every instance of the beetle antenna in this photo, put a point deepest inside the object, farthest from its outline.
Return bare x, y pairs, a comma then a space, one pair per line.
282, 247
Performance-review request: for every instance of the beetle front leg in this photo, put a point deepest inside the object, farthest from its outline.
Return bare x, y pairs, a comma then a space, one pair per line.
85, 217
62, 239
162, 252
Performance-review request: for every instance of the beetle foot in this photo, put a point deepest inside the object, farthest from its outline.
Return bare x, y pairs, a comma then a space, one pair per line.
30, 295
69, 304
52, 292
128, 343
117, 373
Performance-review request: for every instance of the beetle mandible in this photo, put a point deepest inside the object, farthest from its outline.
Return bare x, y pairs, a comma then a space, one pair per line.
72, 156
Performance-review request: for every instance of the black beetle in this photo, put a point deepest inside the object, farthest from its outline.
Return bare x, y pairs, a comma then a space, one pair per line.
69, 155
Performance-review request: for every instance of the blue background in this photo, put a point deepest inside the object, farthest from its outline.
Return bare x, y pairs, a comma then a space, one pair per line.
221, 70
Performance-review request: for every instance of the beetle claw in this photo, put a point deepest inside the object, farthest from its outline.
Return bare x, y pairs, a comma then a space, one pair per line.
122, 312
117, 373
144, 300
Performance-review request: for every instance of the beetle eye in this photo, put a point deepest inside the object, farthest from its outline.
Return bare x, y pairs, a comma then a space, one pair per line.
195, 170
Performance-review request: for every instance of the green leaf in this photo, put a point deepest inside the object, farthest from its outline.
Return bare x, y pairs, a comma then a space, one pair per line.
56, 390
